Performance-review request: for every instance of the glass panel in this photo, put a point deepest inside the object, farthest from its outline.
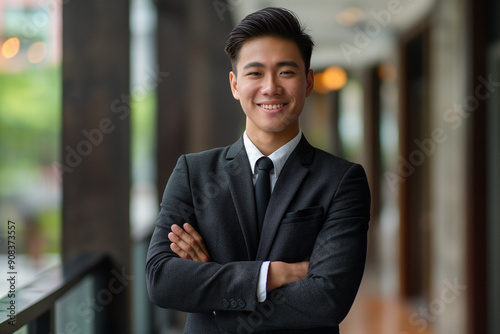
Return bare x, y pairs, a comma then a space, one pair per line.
144, 80
75, 311
143, 197
22, 330
351, 120
142, 307
30, 112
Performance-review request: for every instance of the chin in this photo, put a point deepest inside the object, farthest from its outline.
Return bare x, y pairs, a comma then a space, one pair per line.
275, 129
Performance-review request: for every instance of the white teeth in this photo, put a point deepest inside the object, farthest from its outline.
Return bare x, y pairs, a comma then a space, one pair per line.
272, 106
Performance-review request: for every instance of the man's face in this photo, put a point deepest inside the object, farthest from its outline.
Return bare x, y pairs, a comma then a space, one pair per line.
271, 85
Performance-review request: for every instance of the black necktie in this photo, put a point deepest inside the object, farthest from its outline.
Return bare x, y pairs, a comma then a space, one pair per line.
263, 188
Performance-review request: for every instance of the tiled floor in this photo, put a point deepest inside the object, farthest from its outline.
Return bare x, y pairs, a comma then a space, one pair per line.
372, 313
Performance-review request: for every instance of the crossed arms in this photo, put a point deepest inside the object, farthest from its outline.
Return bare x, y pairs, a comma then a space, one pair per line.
188, 244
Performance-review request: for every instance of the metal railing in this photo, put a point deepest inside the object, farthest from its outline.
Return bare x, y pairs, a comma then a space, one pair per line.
37, 307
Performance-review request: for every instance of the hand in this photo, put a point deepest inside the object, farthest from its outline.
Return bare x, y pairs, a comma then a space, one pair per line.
188, 243
281, 273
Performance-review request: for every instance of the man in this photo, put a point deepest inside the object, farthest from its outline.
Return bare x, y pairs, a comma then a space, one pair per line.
217, 252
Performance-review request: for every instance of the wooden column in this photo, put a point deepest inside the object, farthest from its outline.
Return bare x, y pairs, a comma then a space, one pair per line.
476, 170
172, 112
95, 160
372, 161
372, 137
414, 189
196, 110
334, 97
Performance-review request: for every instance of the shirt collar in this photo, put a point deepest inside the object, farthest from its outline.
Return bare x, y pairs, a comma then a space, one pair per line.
279, 157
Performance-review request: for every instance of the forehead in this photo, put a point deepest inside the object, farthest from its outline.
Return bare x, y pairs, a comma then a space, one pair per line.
269, 50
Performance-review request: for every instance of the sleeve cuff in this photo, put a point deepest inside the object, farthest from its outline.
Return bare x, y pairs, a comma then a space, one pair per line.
262, 287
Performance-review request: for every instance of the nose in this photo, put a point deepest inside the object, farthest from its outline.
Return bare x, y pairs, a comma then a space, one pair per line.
271, 86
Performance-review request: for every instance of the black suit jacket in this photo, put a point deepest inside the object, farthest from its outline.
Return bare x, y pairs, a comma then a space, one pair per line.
319, 211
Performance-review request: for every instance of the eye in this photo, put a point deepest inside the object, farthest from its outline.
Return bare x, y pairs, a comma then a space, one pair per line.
253, 74
287, 73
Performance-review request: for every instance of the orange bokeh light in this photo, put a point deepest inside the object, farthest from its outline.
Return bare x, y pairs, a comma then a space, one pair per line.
10, 47
333, 78
319, 87
37, 52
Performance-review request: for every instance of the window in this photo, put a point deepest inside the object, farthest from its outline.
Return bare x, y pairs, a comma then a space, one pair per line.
30, 111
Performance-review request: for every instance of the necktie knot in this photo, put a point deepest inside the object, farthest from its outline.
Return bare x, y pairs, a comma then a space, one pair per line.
265, 164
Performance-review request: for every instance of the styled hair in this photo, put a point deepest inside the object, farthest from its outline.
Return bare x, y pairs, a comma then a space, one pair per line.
270, 21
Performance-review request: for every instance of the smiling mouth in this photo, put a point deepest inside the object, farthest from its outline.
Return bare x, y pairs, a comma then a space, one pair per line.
272, 106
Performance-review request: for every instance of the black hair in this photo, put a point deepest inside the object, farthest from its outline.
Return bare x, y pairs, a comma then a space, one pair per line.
270, 21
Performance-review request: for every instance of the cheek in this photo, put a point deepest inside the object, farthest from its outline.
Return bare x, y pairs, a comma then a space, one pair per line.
247, 90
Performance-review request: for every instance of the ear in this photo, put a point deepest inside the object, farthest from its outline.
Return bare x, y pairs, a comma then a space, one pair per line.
234, 85
309, 82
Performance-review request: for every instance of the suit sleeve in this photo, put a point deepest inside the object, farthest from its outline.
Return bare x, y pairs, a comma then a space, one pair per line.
187, 285
336, 267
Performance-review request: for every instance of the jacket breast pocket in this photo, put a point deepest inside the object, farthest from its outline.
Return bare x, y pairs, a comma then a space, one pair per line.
297, 234
305, 215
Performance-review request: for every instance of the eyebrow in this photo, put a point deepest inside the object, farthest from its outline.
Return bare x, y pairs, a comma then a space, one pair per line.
255, 64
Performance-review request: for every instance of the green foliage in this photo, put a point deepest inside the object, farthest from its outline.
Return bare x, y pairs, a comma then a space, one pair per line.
143, 111
30, 122
50, 226
30, 114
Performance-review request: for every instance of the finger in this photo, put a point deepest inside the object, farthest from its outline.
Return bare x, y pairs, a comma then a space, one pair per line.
196, 236
202, 250
173, 237
191, 237
189, 245
183, 235
193, 233
181, 247
185, 240
177, 250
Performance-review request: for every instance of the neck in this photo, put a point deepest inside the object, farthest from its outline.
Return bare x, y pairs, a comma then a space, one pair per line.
268, 142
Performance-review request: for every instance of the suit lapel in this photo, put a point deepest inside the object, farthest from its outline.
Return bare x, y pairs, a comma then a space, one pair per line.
289, 181
241, 187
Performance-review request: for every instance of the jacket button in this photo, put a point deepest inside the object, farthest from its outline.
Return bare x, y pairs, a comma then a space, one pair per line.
225, 303
241, 303
233, 303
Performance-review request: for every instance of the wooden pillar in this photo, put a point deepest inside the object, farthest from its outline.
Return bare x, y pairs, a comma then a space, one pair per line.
216, 118
476, 216
493, 125
334, 97
172, 93
196, 110
372, 161
372, 137
414, 244
95, 160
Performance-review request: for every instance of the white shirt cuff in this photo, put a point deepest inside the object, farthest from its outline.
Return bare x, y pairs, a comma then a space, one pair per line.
262, 287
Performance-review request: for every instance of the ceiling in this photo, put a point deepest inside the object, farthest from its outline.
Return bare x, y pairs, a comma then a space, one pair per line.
370, 37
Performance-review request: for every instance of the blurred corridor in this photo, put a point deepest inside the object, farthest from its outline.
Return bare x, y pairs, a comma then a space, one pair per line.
99, 99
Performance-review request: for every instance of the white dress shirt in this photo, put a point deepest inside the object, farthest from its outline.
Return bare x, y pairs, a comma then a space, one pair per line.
278, 157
